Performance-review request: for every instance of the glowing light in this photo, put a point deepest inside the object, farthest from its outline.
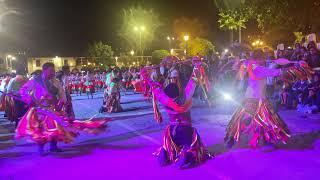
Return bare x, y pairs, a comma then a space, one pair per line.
226, 50
168, 38
9, 56
142, 28
13, 58
186, 37
261, 43
132, 52
171, 51
136, 28
253, 44
227, 96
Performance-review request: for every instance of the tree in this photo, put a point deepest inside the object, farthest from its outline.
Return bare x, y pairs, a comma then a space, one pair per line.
299, 36
233, 14
198, 46
158, 55
101, 53
137, 17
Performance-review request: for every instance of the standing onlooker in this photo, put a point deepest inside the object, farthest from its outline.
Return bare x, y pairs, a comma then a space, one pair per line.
314, 58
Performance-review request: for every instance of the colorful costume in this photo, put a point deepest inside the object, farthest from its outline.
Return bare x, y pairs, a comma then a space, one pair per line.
256, 115
181, 142
16, 107
89, 84
65, 81
112, 98
46, 120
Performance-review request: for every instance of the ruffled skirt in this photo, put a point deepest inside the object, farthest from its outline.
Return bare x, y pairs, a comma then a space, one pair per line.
257, 118
44, 125
179, 140
112, 103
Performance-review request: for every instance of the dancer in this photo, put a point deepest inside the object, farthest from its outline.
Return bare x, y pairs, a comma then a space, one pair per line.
89, 85
45, 122
181, 142
256, 116
16, 107
65, 81
111, 102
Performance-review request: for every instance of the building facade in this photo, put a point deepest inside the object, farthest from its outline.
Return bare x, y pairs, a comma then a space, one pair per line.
35, 63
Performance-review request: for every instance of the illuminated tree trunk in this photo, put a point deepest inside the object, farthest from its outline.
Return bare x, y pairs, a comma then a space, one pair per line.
231, 36
239, 34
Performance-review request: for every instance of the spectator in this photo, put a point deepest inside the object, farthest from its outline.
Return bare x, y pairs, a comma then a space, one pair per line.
309, 105
296, 53
314, 58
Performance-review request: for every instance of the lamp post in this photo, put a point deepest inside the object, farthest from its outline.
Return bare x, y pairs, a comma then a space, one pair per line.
169, 40
116, 60
257, 43
140, 30
9, 59
186, 38
132, 53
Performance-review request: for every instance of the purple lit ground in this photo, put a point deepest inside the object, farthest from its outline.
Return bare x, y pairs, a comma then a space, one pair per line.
125, 151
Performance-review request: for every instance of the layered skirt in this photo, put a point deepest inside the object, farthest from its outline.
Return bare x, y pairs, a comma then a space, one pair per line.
43, 125
257, 118
179, 140
112, 103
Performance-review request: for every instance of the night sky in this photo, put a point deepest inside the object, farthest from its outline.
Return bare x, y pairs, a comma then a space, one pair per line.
65, 27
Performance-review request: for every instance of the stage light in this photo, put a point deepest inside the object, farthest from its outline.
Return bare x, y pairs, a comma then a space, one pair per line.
227, 96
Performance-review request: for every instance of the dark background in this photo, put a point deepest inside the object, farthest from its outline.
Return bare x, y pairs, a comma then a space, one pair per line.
66, 27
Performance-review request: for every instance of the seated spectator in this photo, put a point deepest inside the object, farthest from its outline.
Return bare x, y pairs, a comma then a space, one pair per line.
298, 93
296, 53
309, 105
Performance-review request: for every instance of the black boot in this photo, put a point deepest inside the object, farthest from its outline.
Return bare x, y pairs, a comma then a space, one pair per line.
54, 147
163, 157
41, 149
230, 143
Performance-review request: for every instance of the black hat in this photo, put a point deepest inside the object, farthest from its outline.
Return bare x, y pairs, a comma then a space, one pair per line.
172, 90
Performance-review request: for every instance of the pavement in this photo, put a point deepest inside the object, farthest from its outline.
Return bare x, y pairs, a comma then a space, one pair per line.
125, 150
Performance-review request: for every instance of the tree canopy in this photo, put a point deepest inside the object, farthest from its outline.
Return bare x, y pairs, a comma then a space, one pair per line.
101, 53
158, 55
198, 46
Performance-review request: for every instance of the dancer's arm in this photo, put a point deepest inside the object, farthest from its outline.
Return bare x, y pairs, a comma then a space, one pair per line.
191, 86
262, 72
61, 91
25, 91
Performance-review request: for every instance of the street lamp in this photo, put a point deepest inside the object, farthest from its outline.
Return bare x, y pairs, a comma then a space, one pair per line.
116, 60
9, 59
186, 38
140, 30
257, 43
170, 39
